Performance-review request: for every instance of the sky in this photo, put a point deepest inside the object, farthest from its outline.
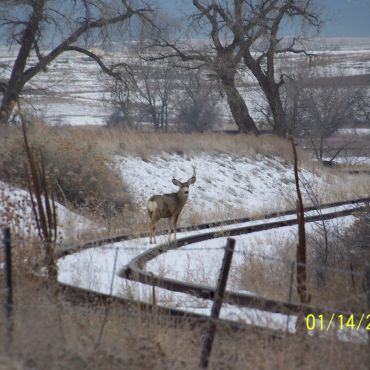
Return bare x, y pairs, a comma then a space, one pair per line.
349, 18
344, 18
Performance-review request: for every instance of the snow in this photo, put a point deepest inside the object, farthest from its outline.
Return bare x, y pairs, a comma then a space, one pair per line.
225, 183
354, 131
96, 269
351, 160
253, 185
249, 186
74, 83
16, 212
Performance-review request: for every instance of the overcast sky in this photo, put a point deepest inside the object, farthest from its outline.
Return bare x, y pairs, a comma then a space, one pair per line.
349, 17
345, 18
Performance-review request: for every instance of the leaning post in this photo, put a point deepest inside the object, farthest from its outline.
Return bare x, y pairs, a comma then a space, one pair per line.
217, 302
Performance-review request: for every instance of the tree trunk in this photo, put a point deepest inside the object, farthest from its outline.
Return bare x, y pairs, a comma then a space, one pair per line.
238, 108
8, 104
17, 80
272, 93
277, 111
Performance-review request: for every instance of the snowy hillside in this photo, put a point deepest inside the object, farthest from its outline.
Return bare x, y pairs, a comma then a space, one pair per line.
16, 212
238, 186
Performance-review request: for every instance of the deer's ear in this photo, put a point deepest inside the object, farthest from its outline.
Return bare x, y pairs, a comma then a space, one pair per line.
191, 181
176, 182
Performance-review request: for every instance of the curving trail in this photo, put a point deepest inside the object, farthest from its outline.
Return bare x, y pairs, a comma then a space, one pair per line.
134, 270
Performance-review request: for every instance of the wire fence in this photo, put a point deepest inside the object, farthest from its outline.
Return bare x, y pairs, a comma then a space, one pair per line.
338, 305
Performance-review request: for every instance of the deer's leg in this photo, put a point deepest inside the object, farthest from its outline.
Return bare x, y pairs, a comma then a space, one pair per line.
169, 219
152, 232
174, 224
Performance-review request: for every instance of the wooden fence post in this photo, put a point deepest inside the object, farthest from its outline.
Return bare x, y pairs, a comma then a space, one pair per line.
8, 304
217, 302
290, 293
8, 272
368, 297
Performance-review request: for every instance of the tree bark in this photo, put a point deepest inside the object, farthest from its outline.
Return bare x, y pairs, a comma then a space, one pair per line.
277, 111
271, 90
16, 80
238, 108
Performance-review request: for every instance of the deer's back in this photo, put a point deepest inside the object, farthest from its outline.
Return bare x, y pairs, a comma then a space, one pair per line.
165, 205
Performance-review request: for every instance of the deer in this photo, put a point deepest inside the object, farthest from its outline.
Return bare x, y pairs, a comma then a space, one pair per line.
168, 206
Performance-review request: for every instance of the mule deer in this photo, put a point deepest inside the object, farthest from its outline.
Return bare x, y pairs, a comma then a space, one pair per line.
168, 206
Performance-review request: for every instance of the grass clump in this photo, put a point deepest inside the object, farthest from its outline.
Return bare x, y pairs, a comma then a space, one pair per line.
83, 177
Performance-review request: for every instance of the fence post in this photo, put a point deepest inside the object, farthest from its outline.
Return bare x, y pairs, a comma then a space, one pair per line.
8, 272
368, 297
217, 302
290, 293
8, 305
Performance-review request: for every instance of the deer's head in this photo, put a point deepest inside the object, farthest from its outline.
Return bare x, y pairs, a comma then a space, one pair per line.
184, 186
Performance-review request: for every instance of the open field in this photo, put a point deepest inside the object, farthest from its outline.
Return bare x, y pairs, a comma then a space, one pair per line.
102, 178
74, 92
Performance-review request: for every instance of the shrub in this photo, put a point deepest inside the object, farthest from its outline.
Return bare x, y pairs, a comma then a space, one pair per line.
83, 177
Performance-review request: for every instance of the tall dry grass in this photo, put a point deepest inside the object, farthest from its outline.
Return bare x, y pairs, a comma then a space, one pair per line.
336, 270
83, 177
61, 331
80, 161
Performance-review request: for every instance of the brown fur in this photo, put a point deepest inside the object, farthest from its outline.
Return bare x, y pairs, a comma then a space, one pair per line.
168, 206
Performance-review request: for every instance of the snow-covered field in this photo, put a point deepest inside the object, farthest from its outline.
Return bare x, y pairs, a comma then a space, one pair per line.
252, 185
245, 185
249, 186
72, 91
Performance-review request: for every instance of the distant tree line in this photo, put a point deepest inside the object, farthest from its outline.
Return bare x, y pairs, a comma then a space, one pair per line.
184, 67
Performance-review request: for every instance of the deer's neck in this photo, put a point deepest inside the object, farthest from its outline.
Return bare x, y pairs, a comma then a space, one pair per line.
182, 198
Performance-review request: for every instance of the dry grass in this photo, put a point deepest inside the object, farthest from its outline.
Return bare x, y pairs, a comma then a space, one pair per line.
336, 283
83, 177
108, 141
80, 161
52, 333
145, 144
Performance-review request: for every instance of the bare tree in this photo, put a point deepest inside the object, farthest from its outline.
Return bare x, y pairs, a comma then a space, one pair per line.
197, 101
220, 57
254, 27
324, 107
247, 31
142, 92
65, 25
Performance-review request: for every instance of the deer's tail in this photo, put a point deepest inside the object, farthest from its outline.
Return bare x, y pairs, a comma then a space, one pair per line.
152, 206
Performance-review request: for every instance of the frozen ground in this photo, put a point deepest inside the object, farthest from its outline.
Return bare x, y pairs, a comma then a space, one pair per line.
252, 185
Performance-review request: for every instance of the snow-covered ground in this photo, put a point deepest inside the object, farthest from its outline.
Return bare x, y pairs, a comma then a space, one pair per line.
246, 185
73, 92
96, 269
354, 131
16, 212
252, 185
